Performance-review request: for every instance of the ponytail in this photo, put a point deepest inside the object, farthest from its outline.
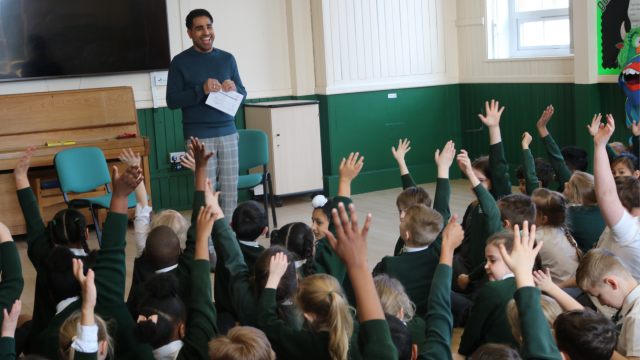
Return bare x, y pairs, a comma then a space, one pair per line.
572, 242
69, 227
299, 239
322, 296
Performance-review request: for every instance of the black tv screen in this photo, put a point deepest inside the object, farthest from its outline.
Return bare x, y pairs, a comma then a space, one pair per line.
61, 38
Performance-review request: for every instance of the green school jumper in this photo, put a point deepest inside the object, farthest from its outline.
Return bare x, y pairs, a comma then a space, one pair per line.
557, 161
485, 223
538, 342
417, 327
586, 224
326, 261
7, 348
407, 182
182, 272
439, 319
488, 322
12, 280
377, 341
415, 270
290, 344
221, 278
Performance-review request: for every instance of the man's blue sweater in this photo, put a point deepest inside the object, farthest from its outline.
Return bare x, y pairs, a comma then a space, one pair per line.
188, 72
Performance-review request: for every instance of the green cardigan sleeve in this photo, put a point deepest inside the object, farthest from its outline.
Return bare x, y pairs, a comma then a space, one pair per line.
377, 341
529, 169
441, 201
489, 209
407, 181
480, 312
439, 319
556, 159
201, 325
190, 245
478, 273
538, 342
499, 167
12, 280
7, 348
110, 269
611, 153
38, 242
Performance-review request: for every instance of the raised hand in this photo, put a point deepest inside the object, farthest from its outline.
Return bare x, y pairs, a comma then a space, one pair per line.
206, 218
544, 119
463, 281
526, 140
351, 243
595, 124
635, 128
350, 167
5, 234
200, 154
523, 256
464, 162
127, 183
10, 321
129, 158
89, 292
493, 114
403, 148
445, 159
452, 236
22, 167
601, 138
277, 268
543, 280
188, 161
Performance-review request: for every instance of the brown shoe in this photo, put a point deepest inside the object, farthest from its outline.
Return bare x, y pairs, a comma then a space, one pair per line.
213, 260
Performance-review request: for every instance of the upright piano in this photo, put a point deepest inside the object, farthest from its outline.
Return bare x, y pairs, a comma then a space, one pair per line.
90, 118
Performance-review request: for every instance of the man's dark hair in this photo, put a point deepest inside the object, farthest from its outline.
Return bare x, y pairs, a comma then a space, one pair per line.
575, 158
248, 221
197, 13
544, 172
400, 335
584, 334
495, 352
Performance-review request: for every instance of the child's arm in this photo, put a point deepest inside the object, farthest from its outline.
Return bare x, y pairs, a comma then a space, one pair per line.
86, 341
439, 320
606, 191
405, 176
529, 165
544, 283
38, 242
593, 129
497, 162
443, 188
9, 324
12, 281
538, 342
143, 211
475, 275
553, 151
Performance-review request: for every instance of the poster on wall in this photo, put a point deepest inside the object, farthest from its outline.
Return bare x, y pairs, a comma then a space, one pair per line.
615, 18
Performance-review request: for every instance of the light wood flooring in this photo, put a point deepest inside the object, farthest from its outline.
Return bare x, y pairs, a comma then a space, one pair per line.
382, 235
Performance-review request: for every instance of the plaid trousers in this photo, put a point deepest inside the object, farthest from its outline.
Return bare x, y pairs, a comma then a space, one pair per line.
223, 170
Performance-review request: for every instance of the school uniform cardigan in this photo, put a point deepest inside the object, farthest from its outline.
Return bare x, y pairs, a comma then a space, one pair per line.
418, 327
415, 270
182, 272
439, 320
537, 340
12, 280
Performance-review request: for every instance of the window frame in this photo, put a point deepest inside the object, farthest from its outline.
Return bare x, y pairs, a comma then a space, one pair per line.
518, 18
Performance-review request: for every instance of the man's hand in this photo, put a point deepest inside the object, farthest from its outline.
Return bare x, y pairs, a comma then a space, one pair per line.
604, 133
5, 234
445, 159
350, 168
463, 281
188, 161
127, 183
228, 85
212, 85
635, 128
526, 141
129, 158
544, 119
277, 268
351, 243
22, 167
10, 321
493, 114
595, 124
523, 256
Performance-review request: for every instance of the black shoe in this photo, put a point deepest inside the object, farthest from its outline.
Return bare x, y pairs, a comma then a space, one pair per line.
213, 260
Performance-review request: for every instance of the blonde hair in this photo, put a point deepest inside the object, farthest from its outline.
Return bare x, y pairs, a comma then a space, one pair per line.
553, 205
393, 297
322, 296
69, 330
242, 343
582, 189
172, 219
596, 265
423, 223
550, 308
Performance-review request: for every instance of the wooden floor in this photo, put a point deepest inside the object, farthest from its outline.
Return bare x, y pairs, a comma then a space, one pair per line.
382, 236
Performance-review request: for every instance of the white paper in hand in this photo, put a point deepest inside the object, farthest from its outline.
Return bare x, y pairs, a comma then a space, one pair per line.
227, 102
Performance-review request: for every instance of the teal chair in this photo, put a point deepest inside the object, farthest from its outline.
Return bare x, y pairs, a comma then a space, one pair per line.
81, 170
253, 150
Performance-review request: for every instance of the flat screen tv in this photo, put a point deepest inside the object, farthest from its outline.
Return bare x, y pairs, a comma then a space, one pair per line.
63, 38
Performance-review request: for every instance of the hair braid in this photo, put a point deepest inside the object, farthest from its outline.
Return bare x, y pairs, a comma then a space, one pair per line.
572, 242
308, 254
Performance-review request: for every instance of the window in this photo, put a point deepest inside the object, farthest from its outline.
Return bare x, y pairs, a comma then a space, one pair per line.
528, 28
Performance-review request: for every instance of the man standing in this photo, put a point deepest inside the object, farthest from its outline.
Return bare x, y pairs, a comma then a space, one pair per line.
193, 74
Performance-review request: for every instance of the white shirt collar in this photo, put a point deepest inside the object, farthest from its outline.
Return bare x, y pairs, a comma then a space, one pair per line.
300, 263
410, 249
64, 303
249, 243
169, 351
629, 301
509, 275
78, 252
167, 269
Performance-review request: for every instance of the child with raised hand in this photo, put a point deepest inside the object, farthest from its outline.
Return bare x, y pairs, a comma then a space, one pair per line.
178, 330
420, 231
68, 228
624, 164
298, 238
498, 165
533, 173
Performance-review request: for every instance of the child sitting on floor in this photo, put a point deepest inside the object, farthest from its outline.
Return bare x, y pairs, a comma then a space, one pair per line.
538, 167
241, 343
299, 239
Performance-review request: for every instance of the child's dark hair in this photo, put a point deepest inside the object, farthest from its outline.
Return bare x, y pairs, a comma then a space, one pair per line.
482, 164
69, 227
400, 336
299, 239
289, 281
60, 278
517, 208
249, 220
161, 300
584, 334
320, 202
628, 160
544, 172
575, 158
554, 206
496, 352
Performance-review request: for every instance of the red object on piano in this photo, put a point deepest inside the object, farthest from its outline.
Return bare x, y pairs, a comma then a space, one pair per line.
126, 135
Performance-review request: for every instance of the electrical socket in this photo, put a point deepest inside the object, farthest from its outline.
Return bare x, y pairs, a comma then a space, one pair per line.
174, 157
162, 78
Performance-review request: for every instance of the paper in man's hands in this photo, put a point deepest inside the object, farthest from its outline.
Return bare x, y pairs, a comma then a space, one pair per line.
227, 102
